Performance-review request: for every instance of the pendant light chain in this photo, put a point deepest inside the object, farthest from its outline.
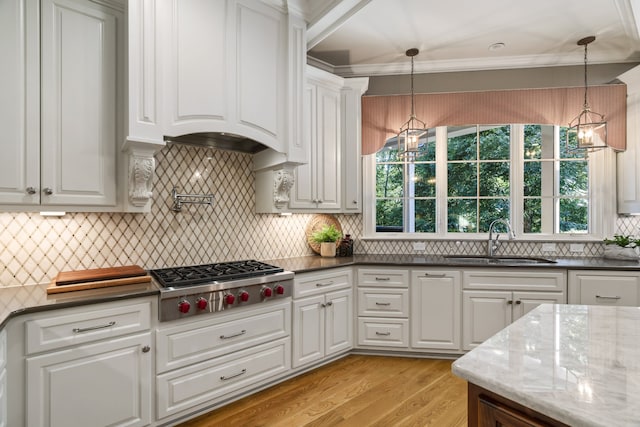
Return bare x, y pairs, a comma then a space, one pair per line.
586, 85
413, 112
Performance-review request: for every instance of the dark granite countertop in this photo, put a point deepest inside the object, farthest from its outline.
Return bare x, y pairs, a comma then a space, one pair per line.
312, 263
16, 300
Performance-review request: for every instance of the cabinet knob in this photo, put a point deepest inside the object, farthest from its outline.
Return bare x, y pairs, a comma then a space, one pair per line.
355, 202
47, 191
518, 302
146, 349
509, 302
30, 190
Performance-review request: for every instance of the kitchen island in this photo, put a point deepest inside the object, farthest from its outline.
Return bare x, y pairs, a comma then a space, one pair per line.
575, 364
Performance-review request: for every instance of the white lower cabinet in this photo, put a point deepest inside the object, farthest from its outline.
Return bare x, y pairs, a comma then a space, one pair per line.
203, 362
322, 326
88, 365
95, 384
203, 383
435, 309
602, 287
322, 315
383, 308
492, 299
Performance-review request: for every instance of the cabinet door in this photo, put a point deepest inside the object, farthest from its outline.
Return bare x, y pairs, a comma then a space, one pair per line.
339, 321
485, 313
80, 75
435, 310
524, 302
19, 111
308, 330
304, 187
327, 160
99, 384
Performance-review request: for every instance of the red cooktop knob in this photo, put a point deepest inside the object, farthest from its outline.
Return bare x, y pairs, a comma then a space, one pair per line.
267, 292
244, 296
229, 299
202, 303
279, 289
184, 306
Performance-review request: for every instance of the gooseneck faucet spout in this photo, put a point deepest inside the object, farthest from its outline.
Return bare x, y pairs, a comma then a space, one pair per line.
493, 245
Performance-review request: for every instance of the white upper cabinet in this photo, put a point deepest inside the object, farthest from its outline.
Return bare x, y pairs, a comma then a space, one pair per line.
317, 184
332, 180
60, 149
628, 175
224, 67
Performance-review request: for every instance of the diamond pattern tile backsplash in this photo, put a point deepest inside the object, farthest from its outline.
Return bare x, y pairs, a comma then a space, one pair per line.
33, 249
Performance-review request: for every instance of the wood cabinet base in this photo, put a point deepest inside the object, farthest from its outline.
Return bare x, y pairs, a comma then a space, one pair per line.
486, 408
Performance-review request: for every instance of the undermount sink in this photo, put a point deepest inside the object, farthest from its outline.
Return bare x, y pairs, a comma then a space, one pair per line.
480, 259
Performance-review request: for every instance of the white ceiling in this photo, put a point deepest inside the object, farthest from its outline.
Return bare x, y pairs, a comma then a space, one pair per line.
370, 37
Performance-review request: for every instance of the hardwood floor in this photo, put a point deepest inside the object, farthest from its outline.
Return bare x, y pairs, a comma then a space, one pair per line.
355, 391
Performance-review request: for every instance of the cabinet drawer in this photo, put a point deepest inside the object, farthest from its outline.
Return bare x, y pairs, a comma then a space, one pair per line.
514, 280
383, 332
378, 302
86, 324
613, 291
308, 284
217, 378
193, 342
387, 278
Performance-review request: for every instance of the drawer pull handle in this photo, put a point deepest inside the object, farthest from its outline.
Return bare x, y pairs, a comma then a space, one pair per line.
383, 279
225, 337
329, 304
608, 297
329, 283
384, 334
383, 303
223, 378
93, 328
435, 275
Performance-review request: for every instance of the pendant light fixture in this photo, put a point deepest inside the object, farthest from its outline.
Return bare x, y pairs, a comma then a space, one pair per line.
588, 129
413, 129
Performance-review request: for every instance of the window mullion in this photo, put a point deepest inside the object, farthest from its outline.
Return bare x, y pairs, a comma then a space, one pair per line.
441, 180
516, 176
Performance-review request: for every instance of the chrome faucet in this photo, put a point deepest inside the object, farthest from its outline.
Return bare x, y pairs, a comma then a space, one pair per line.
492, 245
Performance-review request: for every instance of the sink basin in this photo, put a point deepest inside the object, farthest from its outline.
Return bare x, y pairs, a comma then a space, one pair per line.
514, 260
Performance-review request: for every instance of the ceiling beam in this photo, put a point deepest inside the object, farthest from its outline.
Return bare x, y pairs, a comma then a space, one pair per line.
336, 14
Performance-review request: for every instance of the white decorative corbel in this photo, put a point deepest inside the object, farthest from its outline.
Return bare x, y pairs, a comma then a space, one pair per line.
282, 182
141, 171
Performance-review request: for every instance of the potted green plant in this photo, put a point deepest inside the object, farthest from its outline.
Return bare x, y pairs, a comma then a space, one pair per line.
328, 237
621, 247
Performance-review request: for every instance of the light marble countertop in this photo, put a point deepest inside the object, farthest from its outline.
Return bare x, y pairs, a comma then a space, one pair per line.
577, 364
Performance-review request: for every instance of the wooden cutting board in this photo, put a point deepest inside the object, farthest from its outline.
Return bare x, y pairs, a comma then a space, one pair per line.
79, 280
82, 276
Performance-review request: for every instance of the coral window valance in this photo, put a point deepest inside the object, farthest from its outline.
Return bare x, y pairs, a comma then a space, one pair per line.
382, 116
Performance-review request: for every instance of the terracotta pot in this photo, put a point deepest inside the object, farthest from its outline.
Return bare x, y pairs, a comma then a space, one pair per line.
328, 249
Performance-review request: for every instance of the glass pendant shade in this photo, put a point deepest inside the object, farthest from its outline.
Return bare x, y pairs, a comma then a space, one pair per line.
588, 131
413, 129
